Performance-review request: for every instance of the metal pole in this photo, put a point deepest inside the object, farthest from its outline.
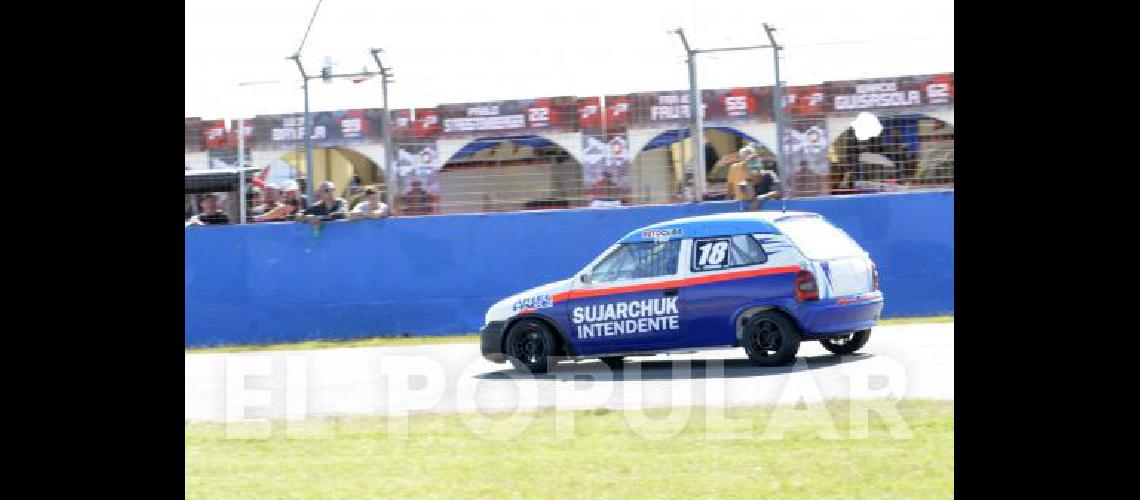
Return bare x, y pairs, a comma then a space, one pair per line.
241, 170
696, 117
777, 105
308, 133
308, 147
390, 177
698, 133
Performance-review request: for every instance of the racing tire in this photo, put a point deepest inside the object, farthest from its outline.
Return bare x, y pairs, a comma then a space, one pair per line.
614, 362
770, 339
530, 346
847, 345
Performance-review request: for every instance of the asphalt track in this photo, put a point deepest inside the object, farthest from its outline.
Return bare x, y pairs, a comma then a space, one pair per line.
904, 361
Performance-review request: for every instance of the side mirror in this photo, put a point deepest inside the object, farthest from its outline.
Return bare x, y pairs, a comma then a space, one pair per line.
584, 277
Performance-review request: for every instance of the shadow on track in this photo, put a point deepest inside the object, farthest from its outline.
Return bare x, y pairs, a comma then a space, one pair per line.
672, 369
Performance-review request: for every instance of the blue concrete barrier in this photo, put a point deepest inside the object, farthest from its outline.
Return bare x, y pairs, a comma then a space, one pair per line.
438, 274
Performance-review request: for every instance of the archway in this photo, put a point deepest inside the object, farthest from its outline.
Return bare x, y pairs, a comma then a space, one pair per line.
499, 174
350, 170
913, 151
658, 169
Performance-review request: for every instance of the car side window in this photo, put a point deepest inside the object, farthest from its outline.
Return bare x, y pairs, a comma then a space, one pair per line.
723, 252
639, 260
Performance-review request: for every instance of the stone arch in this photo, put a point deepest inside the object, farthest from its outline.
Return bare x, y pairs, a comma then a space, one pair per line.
511, 172
336, 163
657, 168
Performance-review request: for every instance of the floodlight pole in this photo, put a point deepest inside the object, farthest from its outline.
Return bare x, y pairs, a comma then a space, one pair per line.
308, 122
696, 110
777, 106
386, 129
696, 120
308, 133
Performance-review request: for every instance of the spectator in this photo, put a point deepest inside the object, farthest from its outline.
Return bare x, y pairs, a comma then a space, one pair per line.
371, 207
269, 198
277, 206
210, 212
328, 206
738, 174
288, 207
710, 158
761, 184
416, 201
253, 203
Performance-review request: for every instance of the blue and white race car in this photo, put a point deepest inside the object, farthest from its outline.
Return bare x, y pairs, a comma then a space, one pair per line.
762, 280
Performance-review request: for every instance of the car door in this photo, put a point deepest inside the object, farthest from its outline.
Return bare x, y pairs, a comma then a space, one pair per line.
724, 275
631, 301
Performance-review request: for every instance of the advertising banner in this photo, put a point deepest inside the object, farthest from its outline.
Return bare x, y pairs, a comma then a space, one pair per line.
616, 112
214, 134
558, 113
738, 104
590, 113
417, 173
606, 160
804, 101
330, 128
806, 164
880, 93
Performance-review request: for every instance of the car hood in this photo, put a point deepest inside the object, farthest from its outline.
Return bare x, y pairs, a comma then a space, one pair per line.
539, 297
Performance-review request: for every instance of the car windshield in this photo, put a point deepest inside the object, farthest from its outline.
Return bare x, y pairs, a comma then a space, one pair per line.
817, 239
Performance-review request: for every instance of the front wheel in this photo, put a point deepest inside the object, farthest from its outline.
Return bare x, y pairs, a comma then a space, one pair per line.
530, 346
847, 345
770, 339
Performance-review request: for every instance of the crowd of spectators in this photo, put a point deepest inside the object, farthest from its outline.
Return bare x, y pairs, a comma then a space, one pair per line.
284, 203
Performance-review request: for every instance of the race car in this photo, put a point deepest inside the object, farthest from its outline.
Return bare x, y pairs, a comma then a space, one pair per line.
764, 281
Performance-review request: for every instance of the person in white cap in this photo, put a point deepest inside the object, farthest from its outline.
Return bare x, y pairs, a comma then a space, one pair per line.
328, 206
289, 206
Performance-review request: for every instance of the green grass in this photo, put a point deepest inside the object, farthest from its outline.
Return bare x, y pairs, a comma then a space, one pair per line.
443, 456
446, 339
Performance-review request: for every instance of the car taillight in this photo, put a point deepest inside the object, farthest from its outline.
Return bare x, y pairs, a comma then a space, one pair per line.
875, 276
806, 288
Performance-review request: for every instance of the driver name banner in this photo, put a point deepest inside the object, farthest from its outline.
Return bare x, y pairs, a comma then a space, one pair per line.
626, 318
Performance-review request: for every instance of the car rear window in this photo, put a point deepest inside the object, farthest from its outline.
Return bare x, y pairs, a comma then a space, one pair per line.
817, 239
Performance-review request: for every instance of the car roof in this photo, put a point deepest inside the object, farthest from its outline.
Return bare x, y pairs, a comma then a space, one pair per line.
713, 225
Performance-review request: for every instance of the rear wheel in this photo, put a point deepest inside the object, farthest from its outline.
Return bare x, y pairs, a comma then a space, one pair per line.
530, 346
614, 362
847, 345
770, 339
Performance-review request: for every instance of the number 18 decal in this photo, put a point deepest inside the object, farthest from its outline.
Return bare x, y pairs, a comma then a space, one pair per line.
710, 254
